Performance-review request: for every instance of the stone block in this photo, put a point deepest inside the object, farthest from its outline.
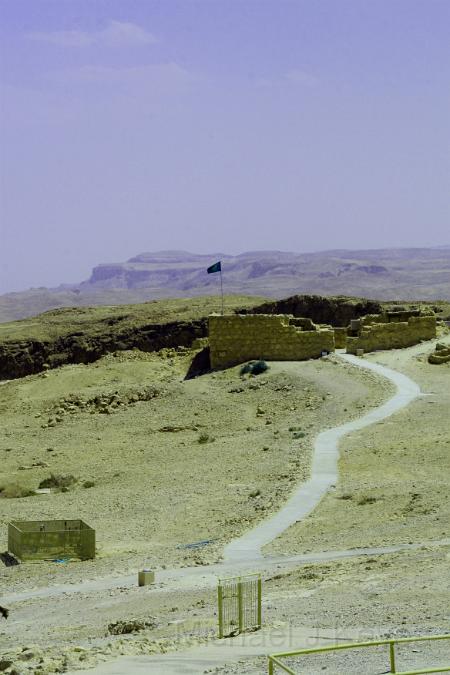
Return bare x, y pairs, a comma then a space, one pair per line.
146, 577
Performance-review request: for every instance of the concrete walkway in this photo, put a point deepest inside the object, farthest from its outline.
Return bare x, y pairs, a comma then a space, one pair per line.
324, 471
201, 578
201, 659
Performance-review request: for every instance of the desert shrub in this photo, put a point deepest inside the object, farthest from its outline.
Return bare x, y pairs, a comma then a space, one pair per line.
205, 438
58, 481
246, 368
88, 484
254, 367
259, 367
15, 491
255, 493
366, 500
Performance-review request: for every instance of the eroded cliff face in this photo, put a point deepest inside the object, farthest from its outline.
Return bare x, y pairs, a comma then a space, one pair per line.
21, 357
138, 276
334, 311
26, 357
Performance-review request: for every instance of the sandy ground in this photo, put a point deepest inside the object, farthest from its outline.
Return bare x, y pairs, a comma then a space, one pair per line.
373, 504
157, 486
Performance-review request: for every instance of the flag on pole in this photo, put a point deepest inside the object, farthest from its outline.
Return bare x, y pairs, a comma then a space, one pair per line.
217, 267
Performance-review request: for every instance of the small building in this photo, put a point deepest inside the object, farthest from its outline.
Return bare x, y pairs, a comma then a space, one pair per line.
50, 539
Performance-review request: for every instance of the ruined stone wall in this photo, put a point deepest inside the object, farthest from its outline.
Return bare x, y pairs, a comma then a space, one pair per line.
393, 335
237, 338
335, 311
340, 337
440, 355
402, 316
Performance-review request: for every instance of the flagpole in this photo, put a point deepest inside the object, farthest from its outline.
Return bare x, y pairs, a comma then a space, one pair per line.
212, 269
221, 287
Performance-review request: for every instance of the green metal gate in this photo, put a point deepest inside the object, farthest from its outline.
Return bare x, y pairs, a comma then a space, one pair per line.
239, 604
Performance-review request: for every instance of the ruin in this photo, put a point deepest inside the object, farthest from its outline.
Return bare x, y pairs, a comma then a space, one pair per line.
390, 330
440, 355
278, 337
236, 338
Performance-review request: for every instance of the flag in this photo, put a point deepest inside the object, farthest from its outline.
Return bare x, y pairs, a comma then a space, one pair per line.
217, 267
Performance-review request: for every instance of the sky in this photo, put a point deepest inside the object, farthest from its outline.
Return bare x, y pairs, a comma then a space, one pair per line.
218, 125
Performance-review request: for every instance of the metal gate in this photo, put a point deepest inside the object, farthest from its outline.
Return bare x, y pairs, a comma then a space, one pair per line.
239, 604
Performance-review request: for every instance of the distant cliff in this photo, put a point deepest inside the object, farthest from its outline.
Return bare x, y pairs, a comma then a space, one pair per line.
385, 274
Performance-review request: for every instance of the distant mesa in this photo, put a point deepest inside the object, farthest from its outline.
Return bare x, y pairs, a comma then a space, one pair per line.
174, 256
368, 269
383, 274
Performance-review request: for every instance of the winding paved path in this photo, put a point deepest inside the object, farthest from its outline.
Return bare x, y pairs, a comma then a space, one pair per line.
324, 471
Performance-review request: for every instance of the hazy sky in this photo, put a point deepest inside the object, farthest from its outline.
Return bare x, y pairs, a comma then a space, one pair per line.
218, 125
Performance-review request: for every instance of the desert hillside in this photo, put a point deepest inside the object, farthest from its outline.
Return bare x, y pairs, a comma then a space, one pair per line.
169, 470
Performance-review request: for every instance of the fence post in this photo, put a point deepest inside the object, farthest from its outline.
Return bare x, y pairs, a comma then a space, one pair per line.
220, 608
259, 602
392, 656
240, 607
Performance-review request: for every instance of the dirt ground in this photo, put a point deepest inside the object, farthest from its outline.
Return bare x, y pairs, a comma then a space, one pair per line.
160, 484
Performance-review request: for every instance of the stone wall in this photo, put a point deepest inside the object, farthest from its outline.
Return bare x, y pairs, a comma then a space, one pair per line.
237, 338
394, 316
340, 338
335, 311
440, 355
393, 335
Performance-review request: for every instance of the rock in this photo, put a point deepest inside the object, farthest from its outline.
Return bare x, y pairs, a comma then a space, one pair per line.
441, 355
130, 626
58, 481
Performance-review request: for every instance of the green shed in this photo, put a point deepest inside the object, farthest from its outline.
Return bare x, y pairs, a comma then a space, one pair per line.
44, 539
